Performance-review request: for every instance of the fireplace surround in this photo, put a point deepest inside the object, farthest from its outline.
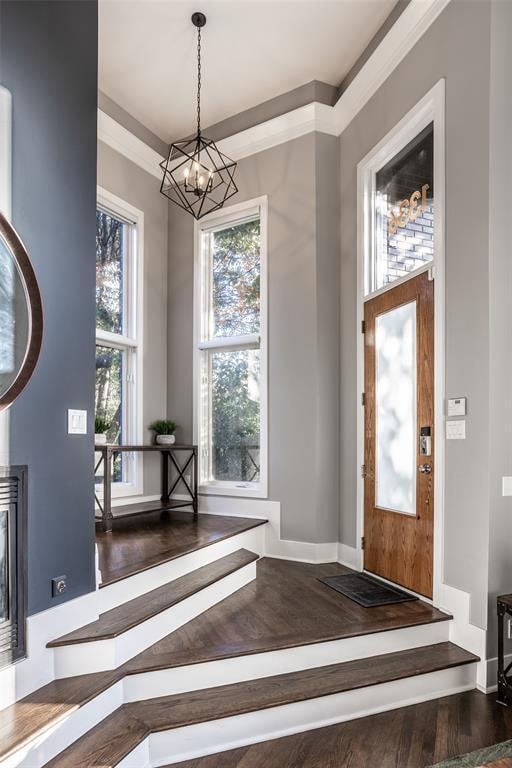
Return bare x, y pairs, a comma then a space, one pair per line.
13, 563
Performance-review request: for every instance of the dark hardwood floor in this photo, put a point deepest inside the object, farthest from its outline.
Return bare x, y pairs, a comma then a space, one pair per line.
134, 612
184, 709
141, 542
285, 606
411, 737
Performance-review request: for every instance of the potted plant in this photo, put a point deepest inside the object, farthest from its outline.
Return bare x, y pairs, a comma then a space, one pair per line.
101, 428
163, 430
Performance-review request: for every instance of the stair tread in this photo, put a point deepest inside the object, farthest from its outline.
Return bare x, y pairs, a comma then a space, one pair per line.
180, 710
128, 615
118, 735
285, 594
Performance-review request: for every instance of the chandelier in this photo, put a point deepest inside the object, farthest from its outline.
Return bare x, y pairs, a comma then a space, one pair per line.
197, 175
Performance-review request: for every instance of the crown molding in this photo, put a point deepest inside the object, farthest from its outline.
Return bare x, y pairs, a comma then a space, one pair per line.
126, 143
410, 26
312, 117
315, 117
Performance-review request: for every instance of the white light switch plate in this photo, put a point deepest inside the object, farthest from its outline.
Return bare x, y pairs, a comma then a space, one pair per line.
506, 486
456, 430
77, 422
456, 406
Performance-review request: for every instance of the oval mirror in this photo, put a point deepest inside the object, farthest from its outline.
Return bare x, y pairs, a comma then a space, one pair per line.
21, 318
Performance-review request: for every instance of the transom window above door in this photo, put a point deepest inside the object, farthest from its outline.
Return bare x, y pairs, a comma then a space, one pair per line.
401, 216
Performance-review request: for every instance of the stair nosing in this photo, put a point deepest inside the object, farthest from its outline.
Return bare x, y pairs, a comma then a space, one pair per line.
255, 523
141, 709
68, 639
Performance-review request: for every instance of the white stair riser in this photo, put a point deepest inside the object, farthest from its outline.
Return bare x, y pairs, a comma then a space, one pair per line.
83, 658
194, 741
165, 682
72, 726
152, 578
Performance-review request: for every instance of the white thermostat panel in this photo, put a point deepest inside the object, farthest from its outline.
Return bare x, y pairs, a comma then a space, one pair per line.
456, 407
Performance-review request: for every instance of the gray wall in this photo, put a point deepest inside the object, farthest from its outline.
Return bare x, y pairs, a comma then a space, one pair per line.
500, 294
300, 180
465, 65
123, 178
54, 195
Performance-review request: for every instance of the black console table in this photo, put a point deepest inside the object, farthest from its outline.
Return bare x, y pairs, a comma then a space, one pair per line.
169, 458
504, 606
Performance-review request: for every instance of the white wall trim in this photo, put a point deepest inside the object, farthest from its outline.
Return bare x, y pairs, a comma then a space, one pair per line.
126, 143
412, 23
349, 556
401, 38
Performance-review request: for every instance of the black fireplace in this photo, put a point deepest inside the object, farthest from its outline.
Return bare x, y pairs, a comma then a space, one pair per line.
13, 549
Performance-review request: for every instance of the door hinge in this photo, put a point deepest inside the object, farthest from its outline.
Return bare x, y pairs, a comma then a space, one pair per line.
363, 326
363, 398
363, 471
362, 542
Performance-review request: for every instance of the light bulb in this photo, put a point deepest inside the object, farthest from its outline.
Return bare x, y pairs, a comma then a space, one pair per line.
201, 179
186, 172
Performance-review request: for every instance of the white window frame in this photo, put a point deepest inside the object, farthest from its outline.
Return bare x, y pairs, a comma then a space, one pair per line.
431, 108
131, 341
219, 220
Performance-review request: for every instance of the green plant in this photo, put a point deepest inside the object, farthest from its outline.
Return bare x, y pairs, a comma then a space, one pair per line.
163, 427
100, 426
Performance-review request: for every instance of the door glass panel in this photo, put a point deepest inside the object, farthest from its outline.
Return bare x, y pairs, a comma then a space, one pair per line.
404, 211
395, 349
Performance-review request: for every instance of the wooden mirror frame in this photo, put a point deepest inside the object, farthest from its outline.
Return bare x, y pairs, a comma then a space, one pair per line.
35, 310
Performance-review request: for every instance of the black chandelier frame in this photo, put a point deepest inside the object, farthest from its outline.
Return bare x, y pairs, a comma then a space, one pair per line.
197, 176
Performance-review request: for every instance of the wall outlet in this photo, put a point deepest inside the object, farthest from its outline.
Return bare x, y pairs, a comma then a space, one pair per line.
59, 585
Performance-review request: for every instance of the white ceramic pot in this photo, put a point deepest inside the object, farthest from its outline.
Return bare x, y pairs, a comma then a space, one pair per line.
165, 439
100, 439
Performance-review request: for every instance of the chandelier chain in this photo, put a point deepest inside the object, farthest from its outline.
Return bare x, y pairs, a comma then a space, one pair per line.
199, 81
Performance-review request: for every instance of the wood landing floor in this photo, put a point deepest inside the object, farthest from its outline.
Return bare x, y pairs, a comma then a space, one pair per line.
145, 540
284, 606
411, 737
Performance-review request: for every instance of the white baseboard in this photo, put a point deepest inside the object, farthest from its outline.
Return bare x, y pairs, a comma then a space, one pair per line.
275, 546
492, 672
190, 742
238, 669
102, 655
27, 675
350, 556
462, 631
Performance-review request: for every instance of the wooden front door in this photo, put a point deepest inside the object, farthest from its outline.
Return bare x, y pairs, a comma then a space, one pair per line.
399, 434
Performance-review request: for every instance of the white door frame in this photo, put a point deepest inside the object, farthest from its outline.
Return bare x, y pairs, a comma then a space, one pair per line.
431, 108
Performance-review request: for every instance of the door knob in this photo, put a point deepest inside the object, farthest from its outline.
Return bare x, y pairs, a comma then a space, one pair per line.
425, 468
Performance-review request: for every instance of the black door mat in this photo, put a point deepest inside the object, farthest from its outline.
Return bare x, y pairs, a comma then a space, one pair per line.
366, 591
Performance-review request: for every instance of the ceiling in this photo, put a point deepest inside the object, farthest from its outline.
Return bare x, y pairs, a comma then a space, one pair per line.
253, 50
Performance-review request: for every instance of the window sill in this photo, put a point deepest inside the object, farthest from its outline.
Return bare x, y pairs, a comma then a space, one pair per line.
119, 491
233, 489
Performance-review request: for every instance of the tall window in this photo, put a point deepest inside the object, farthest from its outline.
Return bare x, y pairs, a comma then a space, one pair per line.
231, 348
117, 342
